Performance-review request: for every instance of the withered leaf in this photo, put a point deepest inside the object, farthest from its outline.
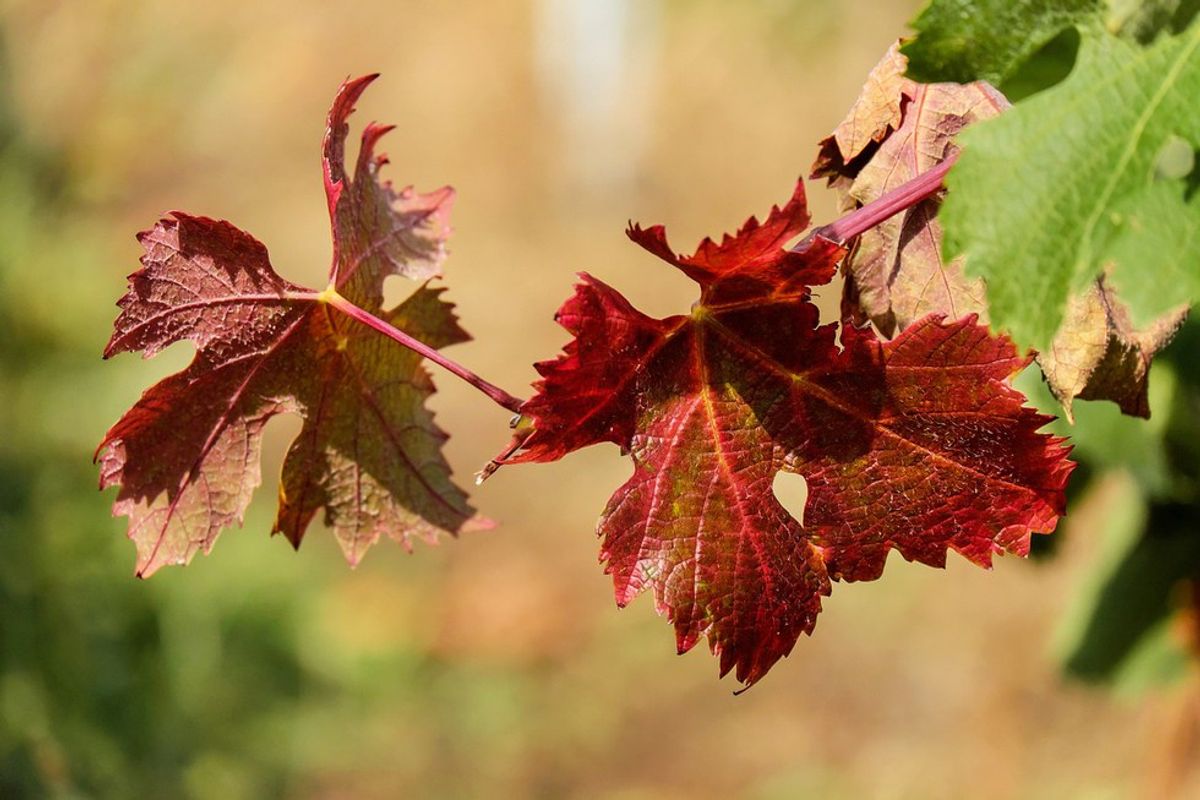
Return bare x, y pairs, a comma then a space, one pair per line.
1098, 355
895, 131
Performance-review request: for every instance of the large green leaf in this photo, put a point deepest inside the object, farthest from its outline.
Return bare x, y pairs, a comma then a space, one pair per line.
964, 40
1081, 177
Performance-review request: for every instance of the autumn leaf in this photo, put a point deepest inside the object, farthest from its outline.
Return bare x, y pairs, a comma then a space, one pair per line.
918, 444
186, 456
1099, 355
895, 131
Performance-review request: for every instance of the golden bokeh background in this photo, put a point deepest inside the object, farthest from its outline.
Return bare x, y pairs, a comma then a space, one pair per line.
496, 665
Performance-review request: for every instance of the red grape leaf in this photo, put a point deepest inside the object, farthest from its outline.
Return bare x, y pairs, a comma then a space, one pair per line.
186, 456
895, 131
918, 444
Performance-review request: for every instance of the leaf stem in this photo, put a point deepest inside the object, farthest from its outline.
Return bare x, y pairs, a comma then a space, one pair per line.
904, 196
495, 393
840, 231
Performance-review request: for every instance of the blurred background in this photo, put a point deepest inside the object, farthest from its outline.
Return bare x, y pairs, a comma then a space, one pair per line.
496, 665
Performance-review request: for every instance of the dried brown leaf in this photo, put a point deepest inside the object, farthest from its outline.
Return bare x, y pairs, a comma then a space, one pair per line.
1098, 355
895, 131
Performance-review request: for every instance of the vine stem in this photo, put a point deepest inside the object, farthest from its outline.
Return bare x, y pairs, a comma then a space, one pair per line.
840, 231
904, 196
333, 298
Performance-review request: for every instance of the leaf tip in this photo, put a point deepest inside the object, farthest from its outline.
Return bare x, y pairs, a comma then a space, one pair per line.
477, 524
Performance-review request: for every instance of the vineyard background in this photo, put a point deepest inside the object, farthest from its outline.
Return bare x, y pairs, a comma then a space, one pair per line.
495, 665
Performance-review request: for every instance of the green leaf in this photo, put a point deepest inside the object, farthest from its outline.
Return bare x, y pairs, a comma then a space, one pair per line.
1047, 67
965, 40
1069, 183
1164, 218
1143, 20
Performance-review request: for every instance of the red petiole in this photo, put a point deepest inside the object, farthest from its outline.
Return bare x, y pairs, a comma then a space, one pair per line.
863, 219
904, 196
495, 393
